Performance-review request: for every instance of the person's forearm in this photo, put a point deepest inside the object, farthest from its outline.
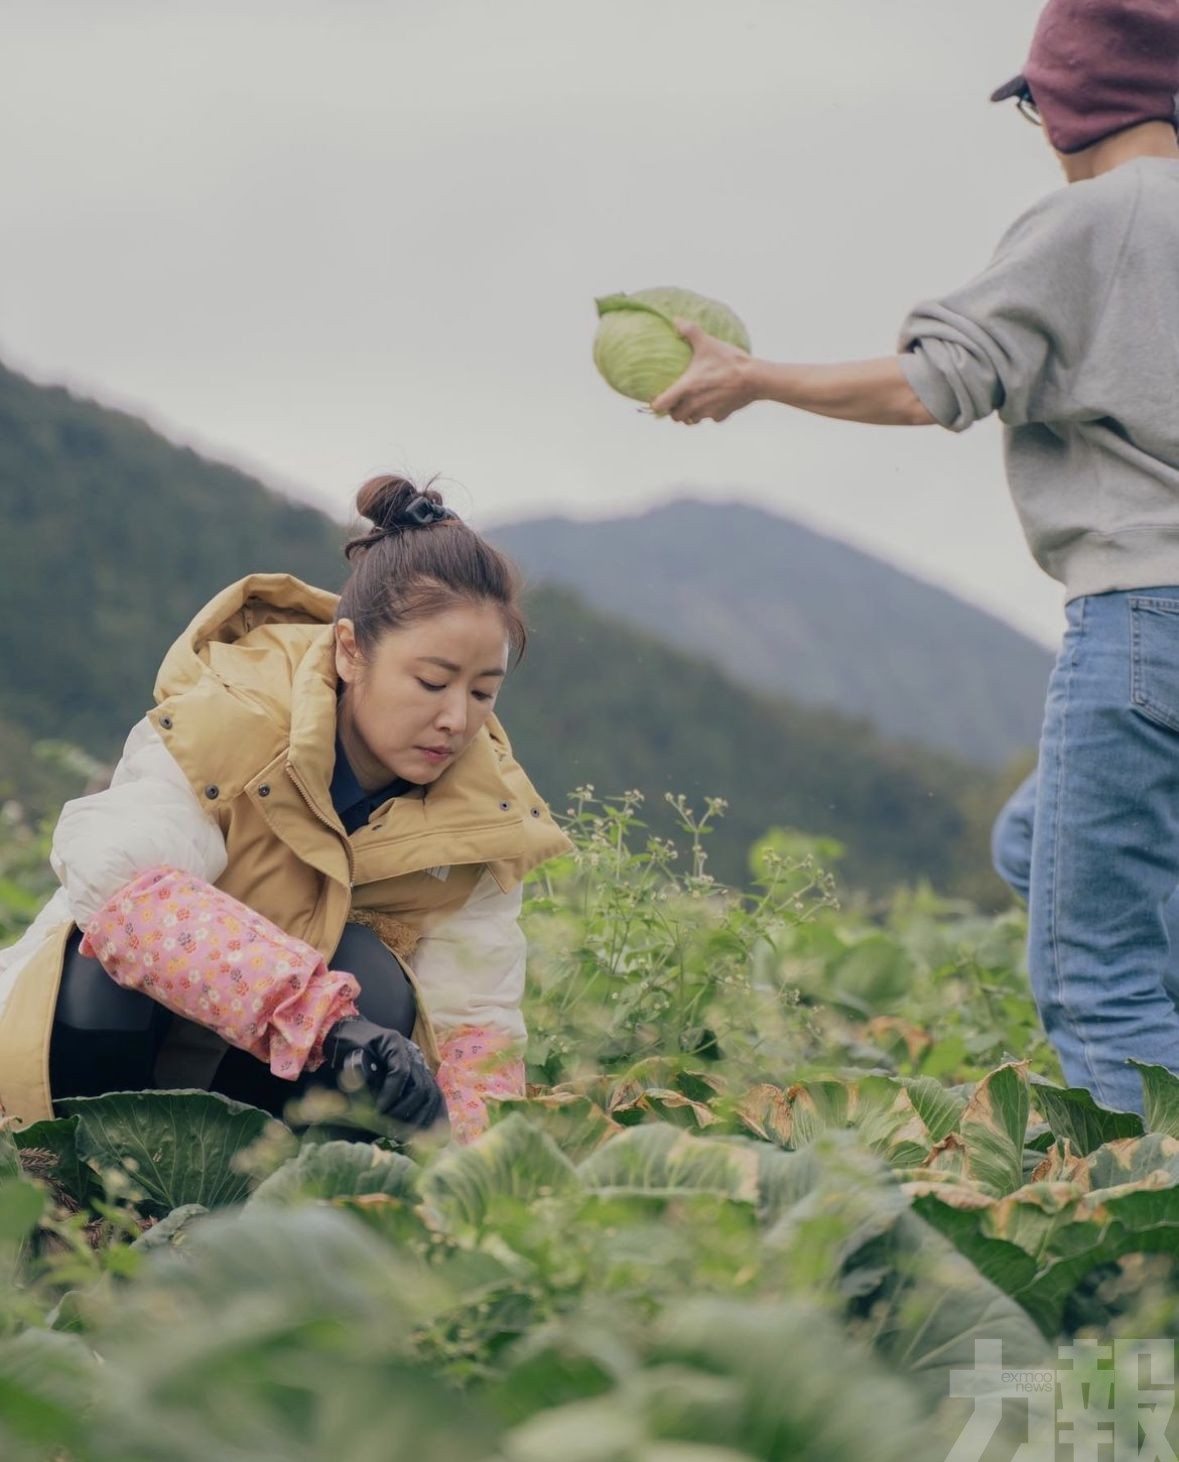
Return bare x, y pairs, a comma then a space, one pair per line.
205, 956
478, 1062
872, 391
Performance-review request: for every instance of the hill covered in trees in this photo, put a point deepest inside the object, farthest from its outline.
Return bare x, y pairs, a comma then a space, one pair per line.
786, 610
663, 722
111, 537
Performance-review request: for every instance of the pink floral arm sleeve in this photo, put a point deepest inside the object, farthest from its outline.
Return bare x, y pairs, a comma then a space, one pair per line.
477, 1062
206, 956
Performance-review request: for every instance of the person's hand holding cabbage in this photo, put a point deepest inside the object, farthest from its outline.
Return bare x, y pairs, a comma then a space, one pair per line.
689, 358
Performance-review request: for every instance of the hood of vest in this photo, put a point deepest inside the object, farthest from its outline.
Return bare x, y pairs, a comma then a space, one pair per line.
250, 688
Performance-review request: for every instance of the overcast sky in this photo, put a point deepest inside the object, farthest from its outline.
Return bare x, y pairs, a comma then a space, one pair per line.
327, 239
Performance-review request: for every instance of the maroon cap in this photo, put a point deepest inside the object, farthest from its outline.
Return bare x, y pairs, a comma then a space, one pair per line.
1099, 66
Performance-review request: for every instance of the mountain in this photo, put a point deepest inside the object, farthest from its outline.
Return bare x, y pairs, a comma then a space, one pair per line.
600, 702
786, 610
111, 537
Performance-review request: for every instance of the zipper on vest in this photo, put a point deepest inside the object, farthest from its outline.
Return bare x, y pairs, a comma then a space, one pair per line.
314, 809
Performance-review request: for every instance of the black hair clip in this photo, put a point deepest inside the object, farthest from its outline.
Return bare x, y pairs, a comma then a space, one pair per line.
422, 512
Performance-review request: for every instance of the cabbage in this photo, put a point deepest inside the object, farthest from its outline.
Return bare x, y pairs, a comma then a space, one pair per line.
638, 349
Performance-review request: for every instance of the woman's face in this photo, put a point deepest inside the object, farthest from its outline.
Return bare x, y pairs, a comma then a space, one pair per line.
423, 693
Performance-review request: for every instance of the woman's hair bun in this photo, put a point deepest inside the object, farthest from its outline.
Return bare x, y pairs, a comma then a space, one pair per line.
385, 501
395, 505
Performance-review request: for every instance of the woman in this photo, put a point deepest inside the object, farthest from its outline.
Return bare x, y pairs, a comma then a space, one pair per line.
321, 793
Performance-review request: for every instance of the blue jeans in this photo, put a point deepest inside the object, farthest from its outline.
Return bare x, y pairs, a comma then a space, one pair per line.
1091, 841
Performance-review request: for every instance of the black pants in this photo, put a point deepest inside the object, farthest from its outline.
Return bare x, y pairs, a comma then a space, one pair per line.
106, 1038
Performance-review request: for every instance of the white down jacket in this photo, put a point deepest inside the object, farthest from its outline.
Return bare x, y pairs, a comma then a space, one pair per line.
469, 967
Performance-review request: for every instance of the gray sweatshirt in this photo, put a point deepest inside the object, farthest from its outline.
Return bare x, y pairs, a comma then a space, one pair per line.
1071, 334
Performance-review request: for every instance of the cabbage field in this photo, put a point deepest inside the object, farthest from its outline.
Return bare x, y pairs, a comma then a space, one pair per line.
785, 1158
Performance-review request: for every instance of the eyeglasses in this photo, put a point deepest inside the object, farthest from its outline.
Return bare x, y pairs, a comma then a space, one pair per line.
1028, 109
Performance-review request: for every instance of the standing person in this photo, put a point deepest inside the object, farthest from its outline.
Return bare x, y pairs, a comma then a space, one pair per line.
1071, 334
307, 868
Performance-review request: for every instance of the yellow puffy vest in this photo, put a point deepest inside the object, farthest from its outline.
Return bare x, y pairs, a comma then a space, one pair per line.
246, 705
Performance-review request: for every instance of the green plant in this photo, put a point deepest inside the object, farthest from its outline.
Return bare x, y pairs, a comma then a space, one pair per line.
736, 1215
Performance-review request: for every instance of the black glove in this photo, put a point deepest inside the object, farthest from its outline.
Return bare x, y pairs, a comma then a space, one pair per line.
391, 1068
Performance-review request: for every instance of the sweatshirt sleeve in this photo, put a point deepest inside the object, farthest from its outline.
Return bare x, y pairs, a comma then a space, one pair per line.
1016, 337
149, 816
